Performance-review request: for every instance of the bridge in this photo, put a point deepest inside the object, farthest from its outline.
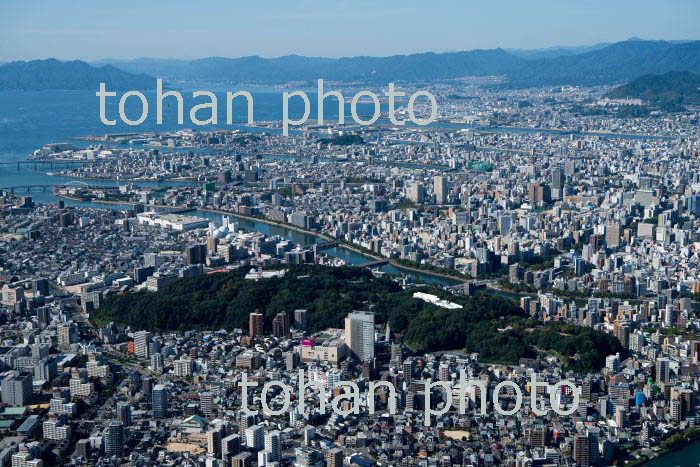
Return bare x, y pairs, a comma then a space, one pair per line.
44, 186
323, 246
51, 163
373, 264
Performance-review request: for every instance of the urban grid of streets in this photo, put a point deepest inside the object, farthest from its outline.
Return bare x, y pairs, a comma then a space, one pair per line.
532, 193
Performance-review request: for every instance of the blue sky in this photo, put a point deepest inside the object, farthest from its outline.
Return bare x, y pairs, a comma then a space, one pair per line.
91, 29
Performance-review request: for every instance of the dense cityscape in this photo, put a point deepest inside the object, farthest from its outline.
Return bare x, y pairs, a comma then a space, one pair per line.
572, 211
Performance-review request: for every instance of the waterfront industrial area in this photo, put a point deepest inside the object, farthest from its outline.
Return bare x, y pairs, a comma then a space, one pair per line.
551, 204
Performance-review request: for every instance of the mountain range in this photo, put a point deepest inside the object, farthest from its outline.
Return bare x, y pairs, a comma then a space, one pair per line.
73, 75
594, 65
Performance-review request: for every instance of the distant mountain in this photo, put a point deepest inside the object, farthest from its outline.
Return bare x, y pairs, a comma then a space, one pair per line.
553, 52
54, 74
675, 88
618, 62
595, 65
416, 67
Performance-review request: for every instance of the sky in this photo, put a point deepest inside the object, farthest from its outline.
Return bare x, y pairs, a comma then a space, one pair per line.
91, 30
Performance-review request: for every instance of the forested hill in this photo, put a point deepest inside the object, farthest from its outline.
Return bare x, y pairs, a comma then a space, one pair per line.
52, 74
491, 325
675, 88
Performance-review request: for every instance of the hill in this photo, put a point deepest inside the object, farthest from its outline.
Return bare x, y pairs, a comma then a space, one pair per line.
53, 74
595, 65
491, 325
672, 89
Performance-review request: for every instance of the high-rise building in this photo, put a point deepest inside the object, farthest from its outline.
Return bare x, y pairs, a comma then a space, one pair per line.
280, 325
196, 254
256, 324
663, 370
359, 334
612, 234
301, 319
244, 459
66, 334
160, 401
17, 389
416, 193
273, 446
255, 437
440, 187
334, 457
114, 439
206, 403
230, 446
142, 339
582, 448
124, 413
557, 182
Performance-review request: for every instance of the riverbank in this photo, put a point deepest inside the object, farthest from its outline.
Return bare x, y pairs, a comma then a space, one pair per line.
446, 278
340, 242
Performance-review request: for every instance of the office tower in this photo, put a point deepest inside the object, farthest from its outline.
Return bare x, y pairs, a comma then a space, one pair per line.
114, 439
17, 389
416, 193
160, 401
334, 457
694, 204
143, 273
582, 447
43, 315
359, 334
212, 244
273, 446
612, 234
301, 319
280, 325
196, 254
255, 324
206, 403
142, 339
539, 193
255, 437
124, 413
230, 446
557, 183
663, 370
440, 187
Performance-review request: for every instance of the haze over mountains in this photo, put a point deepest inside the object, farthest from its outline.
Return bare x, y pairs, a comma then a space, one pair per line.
593, 65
